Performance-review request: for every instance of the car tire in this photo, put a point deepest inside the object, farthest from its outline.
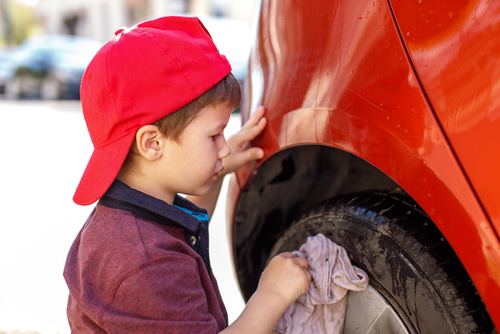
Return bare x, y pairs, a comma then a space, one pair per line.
409, 262
50, 89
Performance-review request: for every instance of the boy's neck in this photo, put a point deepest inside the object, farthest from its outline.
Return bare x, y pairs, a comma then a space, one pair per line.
147, 186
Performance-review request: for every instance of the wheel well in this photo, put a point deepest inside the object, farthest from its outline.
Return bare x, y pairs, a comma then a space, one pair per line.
286, 185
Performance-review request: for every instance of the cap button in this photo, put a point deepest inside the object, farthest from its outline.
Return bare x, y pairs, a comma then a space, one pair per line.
119, 31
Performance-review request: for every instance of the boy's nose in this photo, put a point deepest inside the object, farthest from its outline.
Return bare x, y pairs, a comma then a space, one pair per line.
225, 150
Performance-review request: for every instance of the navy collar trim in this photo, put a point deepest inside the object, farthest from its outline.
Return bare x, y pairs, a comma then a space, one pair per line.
183, 212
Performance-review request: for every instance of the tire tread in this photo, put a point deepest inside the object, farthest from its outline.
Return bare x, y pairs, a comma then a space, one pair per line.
396, 216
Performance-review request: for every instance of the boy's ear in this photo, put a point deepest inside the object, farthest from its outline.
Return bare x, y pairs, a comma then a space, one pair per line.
148, 140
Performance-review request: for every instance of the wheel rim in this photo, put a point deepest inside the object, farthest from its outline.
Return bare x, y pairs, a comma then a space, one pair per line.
368, 313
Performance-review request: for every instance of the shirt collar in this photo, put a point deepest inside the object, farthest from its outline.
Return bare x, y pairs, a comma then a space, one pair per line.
183, 212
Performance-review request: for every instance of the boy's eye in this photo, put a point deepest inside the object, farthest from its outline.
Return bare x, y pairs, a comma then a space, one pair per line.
216, 136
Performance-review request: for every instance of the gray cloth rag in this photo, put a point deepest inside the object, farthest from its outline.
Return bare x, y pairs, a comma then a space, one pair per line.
322, 309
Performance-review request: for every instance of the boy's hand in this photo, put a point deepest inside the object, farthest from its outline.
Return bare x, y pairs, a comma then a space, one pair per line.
241, 152
286, 278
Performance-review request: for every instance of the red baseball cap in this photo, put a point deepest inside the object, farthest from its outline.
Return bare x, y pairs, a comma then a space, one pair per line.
140, 76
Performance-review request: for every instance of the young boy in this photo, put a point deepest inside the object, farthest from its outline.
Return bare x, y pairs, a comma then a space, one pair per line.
156, 99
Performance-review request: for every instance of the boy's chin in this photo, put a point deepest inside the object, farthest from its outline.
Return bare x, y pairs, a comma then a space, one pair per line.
204, 190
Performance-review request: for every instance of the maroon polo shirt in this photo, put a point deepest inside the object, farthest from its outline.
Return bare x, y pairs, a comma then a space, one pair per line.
140, 265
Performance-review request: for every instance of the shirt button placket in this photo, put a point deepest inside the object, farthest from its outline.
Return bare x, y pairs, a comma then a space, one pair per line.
192, 240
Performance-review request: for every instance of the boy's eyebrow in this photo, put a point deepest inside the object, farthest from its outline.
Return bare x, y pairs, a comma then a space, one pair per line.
220, 127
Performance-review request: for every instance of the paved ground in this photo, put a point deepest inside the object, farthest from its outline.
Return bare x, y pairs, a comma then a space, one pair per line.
44, 150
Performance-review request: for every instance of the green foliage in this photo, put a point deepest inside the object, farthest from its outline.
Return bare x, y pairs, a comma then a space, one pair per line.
17, 22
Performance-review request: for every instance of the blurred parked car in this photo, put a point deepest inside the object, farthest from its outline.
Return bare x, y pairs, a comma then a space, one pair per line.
49, 66
384, 135
6, 67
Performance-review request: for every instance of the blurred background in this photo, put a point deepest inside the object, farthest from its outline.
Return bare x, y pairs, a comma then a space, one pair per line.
45, 46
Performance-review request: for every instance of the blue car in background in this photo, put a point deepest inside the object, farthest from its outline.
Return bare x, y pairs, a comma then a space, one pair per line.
48, 67
6, 67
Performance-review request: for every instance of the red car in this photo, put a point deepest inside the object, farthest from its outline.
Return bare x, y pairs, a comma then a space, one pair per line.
383, 134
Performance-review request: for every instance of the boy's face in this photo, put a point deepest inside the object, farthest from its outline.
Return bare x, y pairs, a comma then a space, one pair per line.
190, 166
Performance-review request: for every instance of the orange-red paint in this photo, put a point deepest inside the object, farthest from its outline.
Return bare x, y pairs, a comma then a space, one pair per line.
415, 93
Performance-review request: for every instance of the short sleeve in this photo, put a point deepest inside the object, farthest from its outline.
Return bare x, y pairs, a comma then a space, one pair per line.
164, 295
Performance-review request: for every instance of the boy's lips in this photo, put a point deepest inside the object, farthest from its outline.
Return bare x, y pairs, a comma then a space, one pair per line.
217, 174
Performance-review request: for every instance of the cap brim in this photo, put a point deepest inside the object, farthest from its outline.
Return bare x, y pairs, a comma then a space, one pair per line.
102, 169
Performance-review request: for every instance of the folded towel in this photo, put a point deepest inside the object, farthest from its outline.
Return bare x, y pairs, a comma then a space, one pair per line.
322, 309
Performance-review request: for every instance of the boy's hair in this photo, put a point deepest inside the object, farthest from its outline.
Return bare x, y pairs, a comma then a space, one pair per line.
227, 92
142, 75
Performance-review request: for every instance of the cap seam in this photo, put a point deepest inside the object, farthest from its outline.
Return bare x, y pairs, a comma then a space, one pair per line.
106, 80
158, 46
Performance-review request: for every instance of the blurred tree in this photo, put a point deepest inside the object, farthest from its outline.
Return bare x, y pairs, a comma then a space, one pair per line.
16, 21
5, 22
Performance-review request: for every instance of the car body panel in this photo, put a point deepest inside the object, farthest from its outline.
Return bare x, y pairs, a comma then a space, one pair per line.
340, 76
455, 49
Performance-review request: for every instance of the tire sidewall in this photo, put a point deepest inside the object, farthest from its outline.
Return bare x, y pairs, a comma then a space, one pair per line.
393, 273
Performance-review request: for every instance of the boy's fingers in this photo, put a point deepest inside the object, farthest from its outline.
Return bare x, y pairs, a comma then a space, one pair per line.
255, 153
247, 134
254, 119
287, 255
309, 277
241, 158
251, 154
246, 145
301, 262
